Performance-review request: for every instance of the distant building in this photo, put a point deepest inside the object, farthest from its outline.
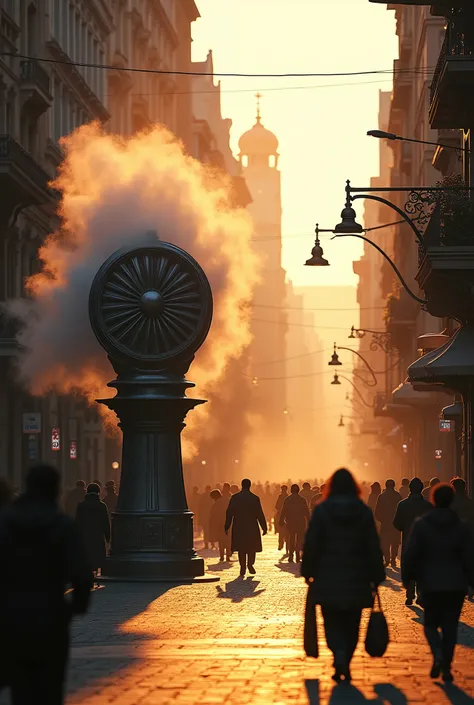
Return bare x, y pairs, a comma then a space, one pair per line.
259, 159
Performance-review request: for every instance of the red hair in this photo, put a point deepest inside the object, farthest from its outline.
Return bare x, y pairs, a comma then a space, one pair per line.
342, 482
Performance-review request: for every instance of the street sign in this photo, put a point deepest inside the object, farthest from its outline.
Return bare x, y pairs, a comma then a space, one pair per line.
444, 425
55, 439
31, 422
33, 447
73, 450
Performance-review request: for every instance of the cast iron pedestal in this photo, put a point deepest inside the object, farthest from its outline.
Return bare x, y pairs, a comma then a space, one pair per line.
150, 309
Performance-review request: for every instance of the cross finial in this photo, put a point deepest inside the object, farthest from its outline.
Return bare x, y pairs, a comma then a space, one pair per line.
258, 96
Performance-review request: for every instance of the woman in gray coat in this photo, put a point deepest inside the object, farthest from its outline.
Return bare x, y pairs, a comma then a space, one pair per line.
343, 564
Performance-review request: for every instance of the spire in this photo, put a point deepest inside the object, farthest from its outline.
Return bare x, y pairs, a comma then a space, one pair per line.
258, 96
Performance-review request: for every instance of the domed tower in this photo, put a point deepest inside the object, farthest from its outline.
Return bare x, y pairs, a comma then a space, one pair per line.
259, 158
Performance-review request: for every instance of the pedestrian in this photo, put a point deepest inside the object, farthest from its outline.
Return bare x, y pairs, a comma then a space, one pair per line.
205, 505
282, 533
74, 497
404, 489
217, 523
343, 564
385, 511
194, 503
245, 514
307, 493
375, 492
234, 489
439, 557
295, 516
267, 505
41, 554
428, 490
6, 494
462, 504
111, 496
409, 509
93, 520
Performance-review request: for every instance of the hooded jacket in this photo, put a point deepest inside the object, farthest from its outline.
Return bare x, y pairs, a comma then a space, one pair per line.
342, 554
439, 554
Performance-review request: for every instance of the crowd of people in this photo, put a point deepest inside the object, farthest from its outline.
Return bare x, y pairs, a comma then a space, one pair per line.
344, 535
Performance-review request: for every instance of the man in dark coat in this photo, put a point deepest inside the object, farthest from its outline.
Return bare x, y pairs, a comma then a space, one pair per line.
74, 497
245, 513
427, 492
404, 488
93, 521
462, 504
439, 556
41, 554
409, 509
282, 533
385, 511
205, 506
295, 515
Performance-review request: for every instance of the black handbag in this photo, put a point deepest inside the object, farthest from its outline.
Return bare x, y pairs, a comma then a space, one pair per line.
310, 638
377, 637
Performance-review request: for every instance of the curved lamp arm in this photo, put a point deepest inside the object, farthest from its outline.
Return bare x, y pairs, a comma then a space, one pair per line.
356, 352
398, 210
392, 264
371, 406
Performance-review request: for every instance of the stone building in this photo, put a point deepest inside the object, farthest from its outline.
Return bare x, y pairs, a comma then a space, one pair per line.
39, 103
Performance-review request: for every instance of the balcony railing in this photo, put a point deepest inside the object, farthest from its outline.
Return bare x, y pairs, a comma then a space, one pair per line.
32, 72
458, 41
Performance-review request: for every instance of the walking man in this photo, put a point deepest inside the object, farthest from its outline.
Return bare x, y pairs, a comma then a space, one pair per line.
295, 515
385, 511
281, 529
409, 509
245, 514
40, 554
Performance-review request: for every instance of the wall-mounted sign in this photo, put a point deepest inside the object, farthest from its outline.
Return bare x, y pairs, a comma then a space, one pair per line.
31, 422
55, 439
73, 450
33, 447
438, 454
444, 426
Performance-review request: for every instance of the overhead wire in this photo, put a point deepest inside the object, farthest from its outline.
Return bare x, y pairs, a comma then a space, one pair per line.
223, 74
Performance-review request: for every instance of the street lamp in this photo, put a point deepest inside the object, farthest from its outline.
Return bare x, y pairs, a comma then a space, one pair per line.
380, 339
336, 380
115, 465
203, 462
317, 259
382, 135
335, 361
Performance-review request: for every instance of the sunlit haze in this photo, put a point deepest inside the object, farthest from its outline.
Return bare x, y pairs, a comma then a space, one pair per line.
321, 123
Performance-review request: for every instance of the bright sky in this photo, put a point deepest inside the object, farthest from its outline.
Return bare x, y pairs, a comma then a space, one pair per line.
322, 126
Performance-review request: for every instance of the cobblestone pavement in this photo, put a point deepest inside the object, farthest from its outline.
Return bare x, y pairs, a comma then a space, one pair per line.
240, 642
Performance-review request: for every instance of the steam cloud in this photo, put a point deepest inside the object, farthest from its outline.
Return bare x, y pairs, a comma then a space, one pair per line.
113, 192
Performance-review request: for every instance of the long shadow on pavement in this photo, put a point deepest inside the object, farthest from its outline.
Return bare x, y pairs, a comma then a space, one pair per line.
386, 694
466, 635
393, 580
293, 568
455, 695
239, 589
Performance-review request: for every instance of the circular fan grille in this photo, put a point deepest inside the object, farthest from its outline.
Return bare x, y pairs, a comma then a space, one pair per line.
153, 303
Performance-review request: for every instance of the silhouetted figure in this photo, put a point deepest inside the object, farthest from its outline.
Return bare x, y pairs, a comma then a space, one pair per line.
194, 502
111, 496
385, 511
6, 493
295, 515
404, 489
439, 556
234, 489
282, 532
409, 509
343, 563
74, 497
41, 554
217, 523
307, 493
375, 492
245, 513
93, 520
428, 490
205, 505
267, 504
462, 504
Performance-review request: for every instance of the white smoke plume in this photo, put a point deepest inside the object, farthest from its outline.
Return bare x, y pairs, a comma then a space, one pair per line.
114, 190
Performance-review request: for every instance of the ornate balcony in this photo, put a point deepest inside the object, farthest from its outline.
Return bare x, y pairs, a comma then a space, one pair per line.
452, 87
34, 88
22, 180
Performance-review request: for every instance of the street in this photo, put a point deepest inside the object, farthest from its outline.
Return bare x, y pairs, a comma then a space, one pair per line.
240, 642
